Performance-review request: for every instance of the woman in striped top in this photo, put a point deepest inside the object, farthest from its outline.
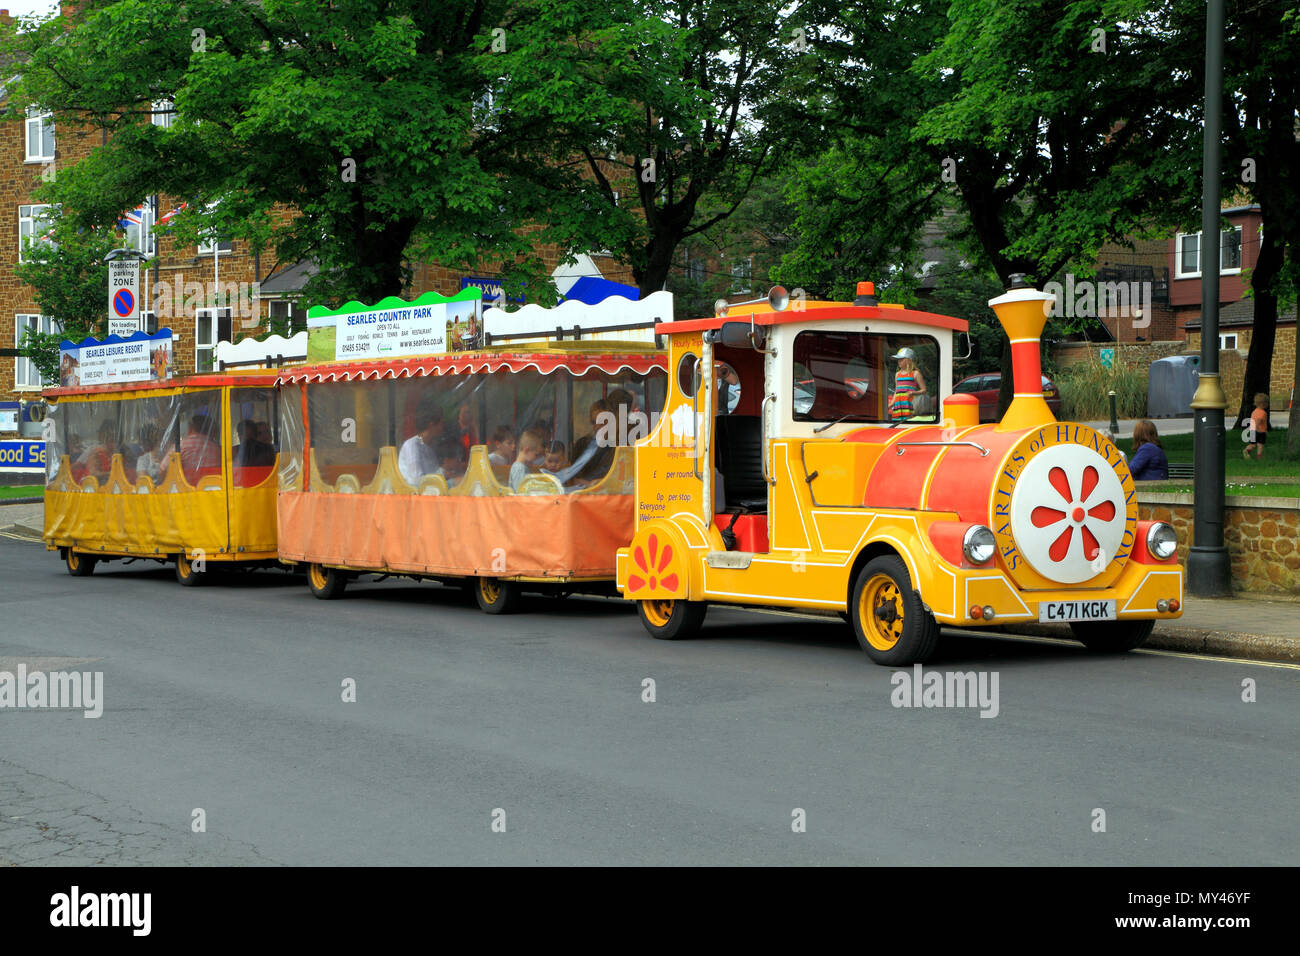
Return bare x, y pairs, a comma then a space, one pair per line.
907, 380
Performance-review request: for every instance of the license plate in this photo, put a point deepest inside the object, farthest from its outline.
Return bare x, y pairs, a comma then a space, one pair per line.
1066, 611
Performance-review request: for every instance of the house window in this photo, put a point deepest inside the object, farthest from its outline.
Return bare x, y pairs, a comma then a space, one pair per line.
207, 246
210, 327
25, 373
289, 316
742, 274
210, 244
163, 113
1230, 251
40, 136
1187, 253
139, 223
1189, 256
35, 225
694, 267
1228, 341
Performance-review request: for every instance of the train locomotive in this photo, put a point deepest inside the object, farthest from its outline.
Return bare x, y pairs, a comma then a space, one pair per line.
808, 488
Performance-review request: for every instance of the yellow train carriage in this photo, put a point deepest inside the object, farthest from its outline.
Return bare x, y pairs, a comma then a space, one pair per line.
803, 460
180, 470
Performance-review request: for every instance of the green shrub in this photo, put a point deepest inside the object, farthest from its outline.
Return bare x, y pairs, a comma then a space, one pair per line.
1085, 386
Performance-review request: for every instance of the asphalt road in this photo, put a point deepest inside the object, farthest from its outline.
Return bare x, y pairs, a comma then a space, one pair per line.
228, 699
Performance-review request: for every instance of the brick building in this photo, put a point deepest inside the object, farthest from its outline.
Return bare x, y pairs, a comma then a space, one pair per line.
1145, 267
1173, 267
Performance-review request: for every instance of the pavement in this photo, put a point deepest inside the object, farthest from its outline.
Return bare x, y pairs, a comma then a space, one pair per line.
1249, 626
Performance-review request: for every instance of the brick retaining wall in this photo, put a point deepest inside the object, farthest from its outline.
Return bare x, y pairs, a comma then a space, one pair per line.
1140, 355
1261, 534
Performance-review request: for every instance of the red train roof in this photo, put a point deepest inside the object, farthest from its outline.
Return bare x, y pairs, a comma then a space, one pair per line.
578, 363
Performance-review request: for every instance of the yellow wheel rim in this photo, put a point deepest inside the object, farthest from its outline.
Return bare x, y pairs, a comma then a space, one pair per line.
490, 588
880, 609
658, 612
318, 577
74, 560
183, 565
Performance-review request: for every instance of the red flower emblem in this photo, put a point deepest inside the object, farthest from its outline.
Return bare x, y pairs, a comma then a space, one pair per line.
1076, 514
652, 566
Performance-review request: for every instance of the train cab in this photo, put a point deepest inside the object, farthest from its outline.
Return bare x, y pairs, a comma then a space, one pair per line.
815, 457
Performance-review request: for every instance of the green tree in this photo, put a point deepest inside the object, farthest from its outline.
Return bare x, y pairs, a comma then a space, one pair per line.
1261, 159
1049, 123
653, 121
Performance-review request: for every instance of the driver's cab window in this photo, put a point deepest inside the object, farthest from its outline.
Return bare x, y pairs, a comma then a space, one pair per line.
865, 377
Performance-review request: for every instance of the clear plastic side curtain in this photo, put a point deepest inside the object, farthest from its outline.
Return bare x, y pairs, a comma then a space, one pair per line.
527, 424
198, 440
143, 431
253, 426
291, 438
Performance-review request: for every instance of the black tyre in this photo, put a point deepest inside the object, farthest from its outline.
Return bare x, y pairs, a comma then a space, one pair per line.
325, 583
670, 620
495, 596
888, 618
79, 565
187, 574
1112, 637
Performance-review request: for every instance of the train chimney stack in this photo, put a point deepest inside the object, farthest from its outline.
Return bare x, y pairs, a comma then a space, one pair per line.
1022, 310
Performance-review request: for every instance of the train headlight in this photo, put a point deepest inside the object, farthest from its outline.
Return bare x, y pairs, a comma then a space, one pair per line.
979, 545
1162, 540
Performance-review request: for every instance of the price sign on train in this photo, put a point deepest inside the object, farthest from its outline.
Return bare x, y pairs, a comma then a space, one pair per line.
124, 291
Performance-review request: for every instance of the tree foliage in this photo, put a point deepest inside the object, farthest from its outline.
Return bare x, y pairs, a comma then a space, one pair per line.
653, 120
357, 117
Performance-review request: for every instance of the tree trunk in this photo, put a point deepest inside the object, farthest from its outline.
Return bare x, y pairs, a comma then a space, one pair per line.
380, 271
1259, 360
659, 260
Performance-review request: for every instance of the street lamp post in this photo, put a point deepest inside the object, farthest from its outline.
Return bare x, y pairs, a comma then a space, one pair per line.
1209, 572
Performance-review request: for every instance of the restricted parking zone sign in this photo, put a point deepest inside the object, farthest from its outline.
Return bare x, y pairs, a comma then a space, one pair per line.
124, 291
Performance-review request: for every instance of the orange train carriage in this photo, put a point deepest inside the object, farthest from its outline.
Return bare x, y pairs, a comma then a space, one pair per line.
420, 467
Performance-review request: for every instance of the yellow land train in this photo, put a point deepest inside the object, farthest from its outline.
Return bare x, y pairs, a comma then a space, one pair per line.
802, 460
179, 470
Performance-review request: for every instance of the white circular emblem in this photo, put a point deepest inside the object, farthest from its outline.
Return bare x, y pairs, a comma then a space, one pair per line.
1067, 513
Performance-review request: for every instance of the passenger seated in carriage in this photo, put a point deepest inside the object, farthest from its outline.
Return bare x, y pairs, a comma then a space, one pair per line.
532, 451
418, 456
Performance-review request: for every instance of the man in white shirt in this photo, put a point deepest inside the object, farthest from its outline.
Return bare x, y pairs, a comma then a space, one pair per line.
418, 456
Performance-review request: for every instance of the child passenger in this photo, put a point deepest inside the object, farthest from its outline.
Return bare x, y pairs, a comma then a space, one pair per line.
154, 459
556, 458
451, 459
502, 444
532, 445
